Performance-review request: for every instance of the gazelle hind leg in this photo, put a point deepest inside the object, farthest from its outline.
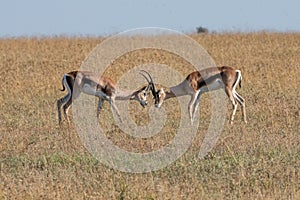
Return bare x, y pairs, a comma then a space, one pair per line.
74, 95
66, 99
233, 103
241, 101
66, 109
59, 103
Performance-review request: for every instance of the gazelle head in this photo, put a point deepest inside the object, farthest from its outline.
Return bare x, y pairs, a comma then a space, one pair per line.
142, 94
158, 95
161, 95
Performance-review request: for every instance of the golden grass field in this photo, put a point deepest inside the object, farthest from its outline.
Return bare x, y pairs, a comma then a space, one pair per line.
258, 160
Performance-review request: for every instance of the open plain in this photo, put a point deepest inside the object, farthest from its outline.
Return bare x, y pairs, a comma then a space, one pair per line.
258, 160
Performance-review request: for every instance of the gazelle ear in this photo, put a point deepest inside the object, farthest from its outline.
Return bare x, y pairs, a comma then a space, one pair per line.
156, 95
160, 91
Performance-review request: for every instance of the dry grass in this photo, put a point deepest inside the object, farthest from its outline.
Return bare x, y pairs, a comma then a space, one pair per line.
260, 160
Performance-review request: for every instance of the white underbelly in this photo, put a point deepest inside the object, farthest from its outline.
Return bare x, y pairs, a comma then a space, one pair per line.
217, 84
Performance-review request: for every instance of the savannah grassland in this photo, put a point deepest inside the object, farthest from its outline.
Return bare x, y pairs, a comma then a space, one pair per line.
258, 160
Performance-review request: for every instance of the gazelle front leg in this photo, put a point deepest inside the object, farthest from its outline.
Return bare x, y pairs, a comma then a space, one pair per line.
99, 107
192, 105
114, 107
196, 104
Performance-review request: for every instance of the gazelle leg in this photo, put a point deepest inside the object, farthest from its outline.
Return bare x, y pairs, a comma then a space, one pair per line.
75, 94
114, 107
66, 109
191, 106
100, 102
241, 101
196, 104
233, 102
60, 102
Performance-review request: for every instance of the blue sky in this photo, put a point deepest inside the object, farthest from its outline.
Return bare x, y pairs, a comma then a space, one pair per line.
95, 17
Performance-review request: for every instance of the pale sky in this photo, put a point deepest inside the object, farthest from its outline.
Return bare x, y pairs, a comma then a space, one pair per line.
96, 18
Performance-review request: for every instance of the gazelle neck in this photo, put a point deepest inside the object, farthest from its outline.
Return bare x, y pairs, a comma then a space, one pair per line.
169, 94
123, 94
176, 91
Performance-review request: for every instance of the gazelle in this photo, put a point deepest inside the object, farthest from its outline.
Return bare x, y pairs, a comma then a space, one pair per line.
196, 83
104, 88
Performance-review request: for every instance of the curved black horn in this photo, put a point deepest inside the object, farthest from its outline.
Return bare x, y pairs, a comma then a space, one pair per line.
152, 82
153, 89
148, 75
145, 77
149, 82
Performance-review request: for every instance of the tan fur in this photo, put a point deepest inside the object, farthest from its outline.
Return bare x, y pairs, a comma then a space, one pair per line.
197, 83
104, 88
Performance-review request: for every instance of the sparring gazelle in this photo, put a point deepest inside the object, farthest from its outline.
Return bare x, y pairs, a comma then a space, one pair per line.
103, 88
196, 83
